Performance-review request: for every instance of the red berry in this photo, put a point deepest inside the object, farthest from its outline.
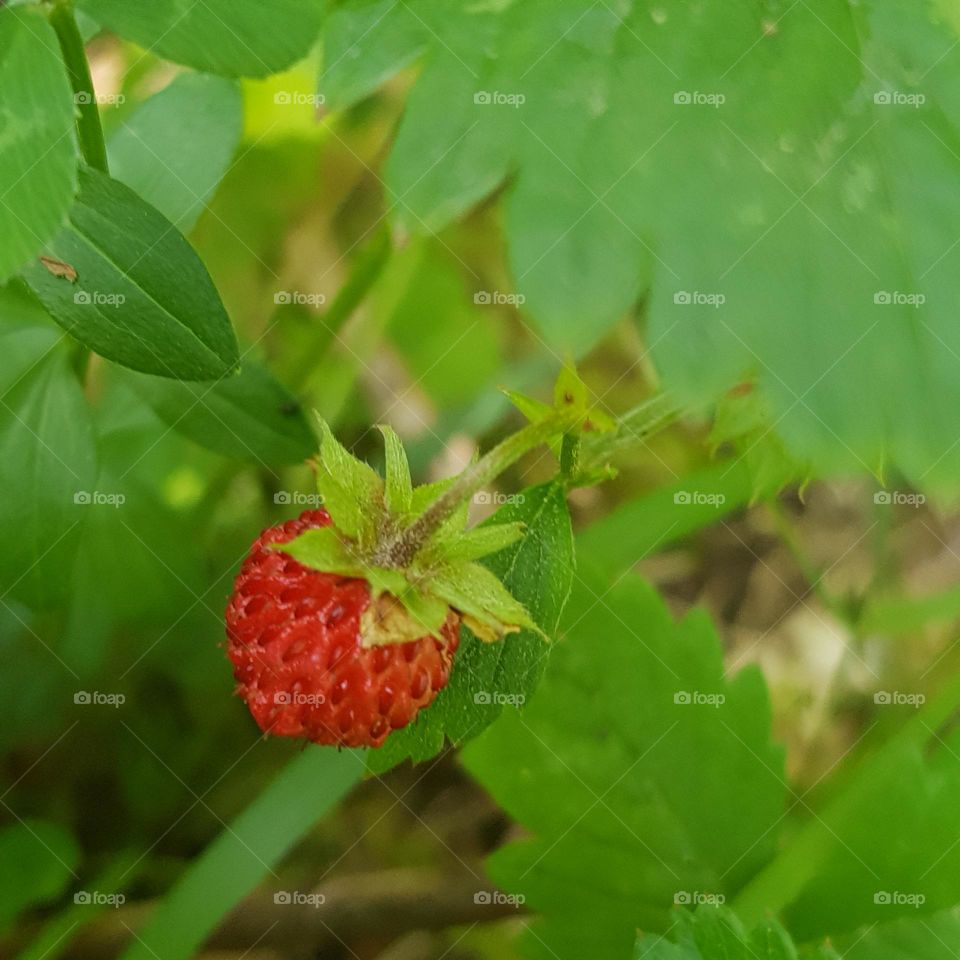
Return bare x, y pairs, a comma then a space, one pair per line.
294, 640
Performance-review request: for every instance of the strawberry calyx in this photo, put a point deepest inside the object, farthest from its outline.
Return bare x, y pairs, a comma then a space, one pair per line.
411, 544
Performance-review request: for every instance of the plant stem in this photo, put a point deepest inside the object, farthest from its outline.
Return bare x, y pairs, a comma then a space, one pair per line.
634, 428
401, 550
89, 130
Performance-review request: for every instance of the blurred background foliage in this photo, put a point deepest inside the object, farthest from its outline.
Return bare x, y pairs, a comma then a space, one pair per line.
833, 594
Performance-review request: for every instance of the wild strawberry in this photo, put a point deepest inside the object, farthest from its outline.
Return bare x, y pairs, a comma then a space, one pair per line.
295, 640
343, 625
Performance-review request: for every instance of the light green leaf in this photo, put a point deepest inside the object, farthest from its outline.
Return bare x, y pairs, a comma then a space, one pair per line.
911, 938
141, 297
399, 489
38, 164
236, 38
537, 571
662, 779
715, 933
174, 149
250, 415
364, 45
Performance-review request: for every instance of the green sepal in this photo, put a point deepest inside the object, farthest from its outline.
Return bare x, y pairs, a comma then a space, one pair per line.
474, 544
352, 492
399, 489
479, 595
323, 549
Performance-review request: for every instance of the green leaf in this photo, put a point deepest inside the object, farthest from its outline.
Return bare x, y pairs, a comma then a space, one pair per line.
141, 297
364, 45
926, 938
824, 267
37, 860
174, 149
37, 137
398, 489
48, 464
888, 849
715, 933
661, 778
248, 849
250, 416
537, 571
236, 38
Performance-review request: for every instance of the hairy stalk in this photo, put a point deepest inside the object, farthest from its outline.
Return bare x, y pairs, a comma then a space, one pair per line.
89, 130
633, 430
400, 551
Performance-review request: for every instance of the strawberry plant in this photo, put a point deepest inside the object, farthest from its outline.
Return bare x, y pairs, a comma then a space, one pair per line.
479, 480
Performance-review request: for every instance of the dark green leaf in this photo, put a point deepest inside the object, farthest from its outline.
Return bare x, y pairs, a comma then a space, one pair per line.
644, 775
141, 297
48, 463
175, 148
37, 860
537, 571
236, 38
250, 416
37, 139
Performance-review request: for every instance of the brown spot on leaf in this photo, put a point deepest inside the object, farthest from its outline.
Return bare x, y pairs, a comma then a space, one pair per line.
59, 269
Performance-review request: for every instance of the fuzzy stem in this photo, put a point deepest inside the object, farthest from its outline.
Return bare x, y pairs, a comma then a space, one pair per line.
89, 130
400, 551
633, 429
